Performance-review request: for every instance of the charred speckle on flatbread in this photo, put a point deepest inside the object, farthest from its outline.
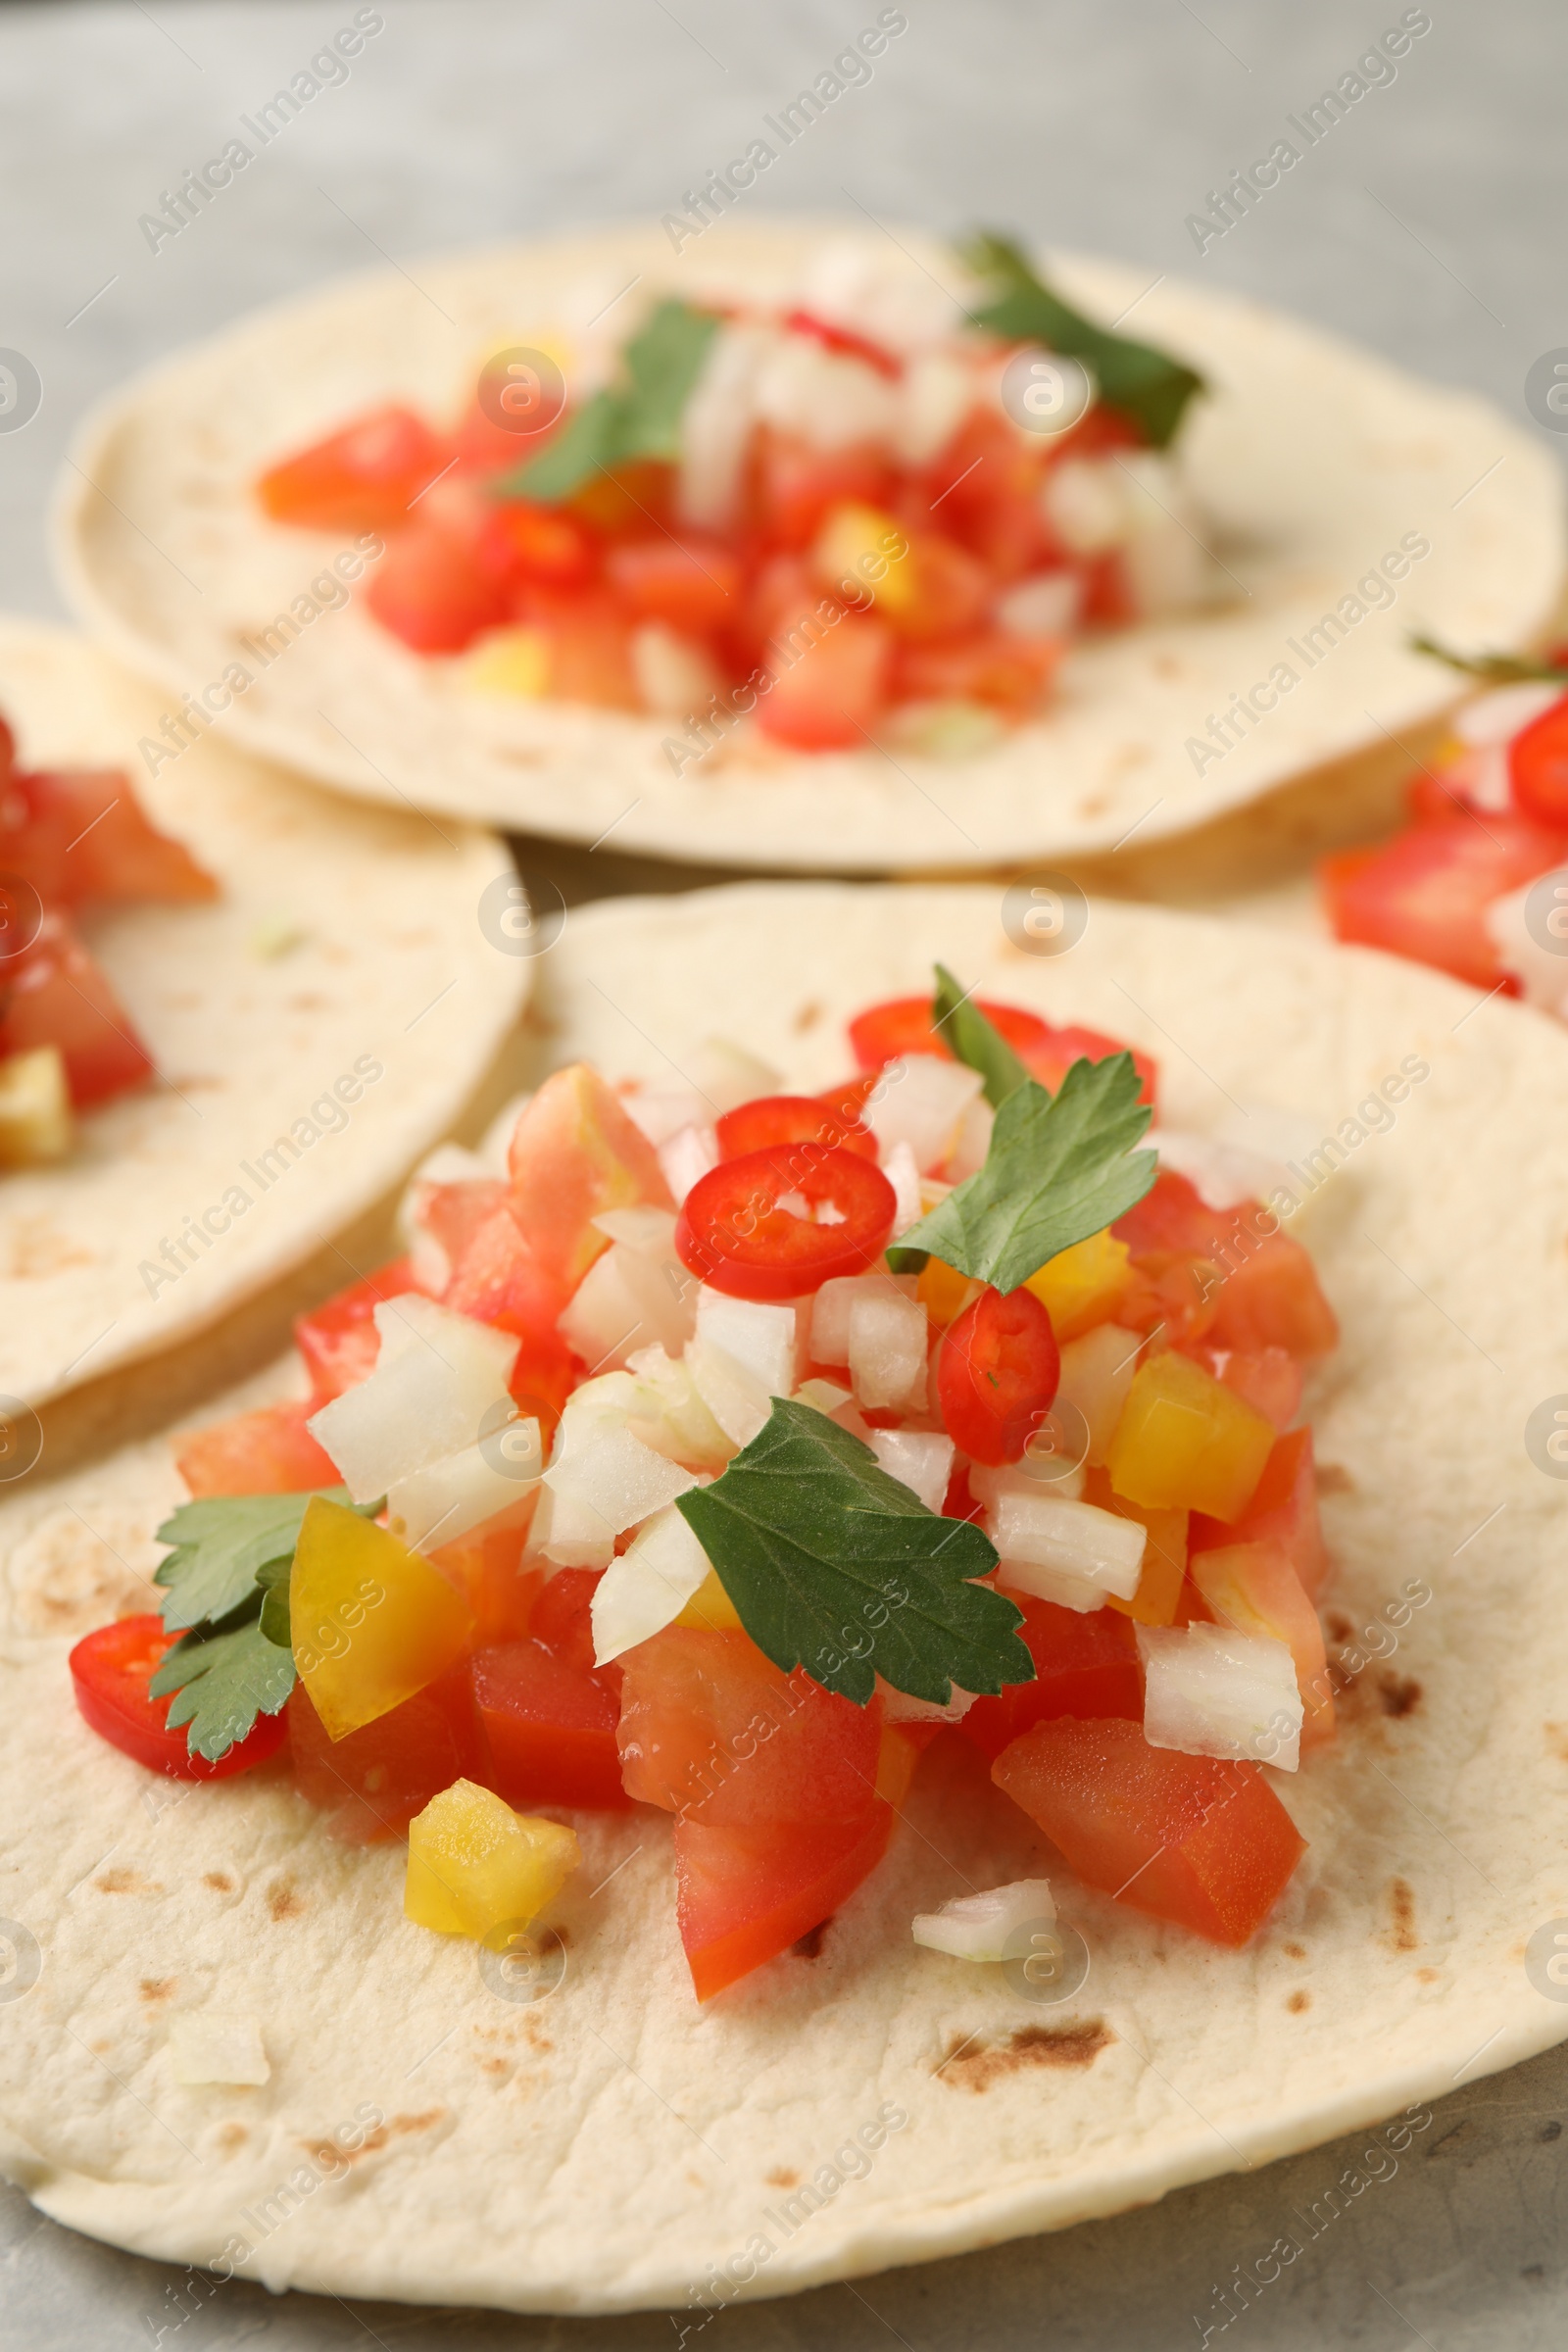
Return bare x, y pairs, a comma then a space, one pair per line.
1552, 2131
1427, 1976
1402, 1903
158, 1988
1334, 1479
495, 2066
1297, 2001
1339, 1627
806, 1018
976, 2065
127, 1881
1399, 1693
423, 2122
810, 1946
782, 2178
218, 1881
232, 2136
1294, 1951
1557, 1740
285, 1900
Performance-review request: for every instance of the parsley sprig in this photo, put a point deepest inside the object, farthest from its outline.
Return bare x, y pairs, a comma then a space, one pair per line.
1498, 670
638, 417
1146, 385
835, 1566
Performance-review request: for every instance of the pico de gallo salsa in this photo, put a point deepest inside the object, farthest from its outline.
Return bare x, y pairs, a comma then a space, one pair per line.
736, 1444
1463, 886
72, 841
796, 514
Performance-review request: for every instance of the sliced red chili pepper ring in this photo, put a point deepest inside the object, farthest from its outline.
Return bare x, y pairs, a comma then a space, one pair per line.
791, 1119
110, 1670
996, 1374
741, 1232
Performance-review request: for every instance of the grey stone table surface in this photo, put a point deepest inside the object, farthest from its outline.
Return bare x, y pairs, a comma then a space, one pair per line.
1428, 223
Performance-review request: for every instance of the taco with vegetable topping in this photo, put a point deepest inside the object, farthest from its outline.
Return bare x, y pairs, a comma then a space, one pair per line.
787, 545
861, 1648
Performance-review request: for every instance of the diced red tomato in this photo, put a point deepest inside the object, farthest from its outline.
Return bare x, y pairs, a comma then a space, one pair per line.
628, 501
829, 693
540, 544
575, 1152
952, 590
1273, 1299
692, 583
497, 1277
1538, 769
1097, 434
589, 637
549, 1713
1270, 1381
361, 479
265, 1452
746, 1895
990, 666
1423, 894
711, 1731
790, 1119
1283, 1510
110, 1671
1254, 1587
373, 1781
1202, 1843
1107, 601
1086, 1664
984, 489
732, 1233
449, 1216
486, 1567
338, 1339
1172, 1293
431, 590
996, 1374
885, 1032
1171, 1216
794, 484
79, 835
54, 994
834, 337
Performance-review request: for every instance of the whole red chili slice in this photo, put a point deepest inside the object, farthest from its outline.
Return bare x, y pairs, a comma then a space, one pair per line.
1538, 767
791, 1119
741, 1231
996, 1374
110, 1671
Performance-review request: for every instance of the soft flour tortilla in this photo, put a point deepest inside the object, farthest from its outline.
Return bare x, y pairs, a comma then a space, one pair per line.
389, 965
1314, 459
605, 2146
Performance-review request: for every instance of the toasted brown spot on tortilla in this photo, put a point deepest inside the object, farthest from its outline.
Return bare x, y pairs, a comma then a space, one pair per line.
782, 2178
285, 1900
307, 1002
1339, 1626
158, 1988
417, 2122
231, 2137
219, 1880
495, 2066
1334, 1479
976, 2065
810, 1946
126, 1882
1399, 1693
39, 1250
808, 1018
1299, 2001
1294, 1951
1402, 1903
1557, 1740
1427, 1976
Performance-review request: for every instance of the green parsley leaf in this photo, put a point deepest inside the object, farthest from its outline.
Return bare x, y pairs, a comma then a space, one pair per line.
220, 1543
1059, 1169
274, 1619
1144, 384
639, 417
976, 1040
1498, 670
224, 1680
835, 1566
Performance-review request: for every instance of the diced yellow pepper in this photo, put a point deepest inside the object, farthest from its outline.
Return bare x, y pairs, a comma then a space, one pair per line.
1185, 1442
35, 1124
512, 662
861, 551
1164, 1563
711, 1608
943, 1292
896, 1761
1083, 1286
476, 1866
371, 1621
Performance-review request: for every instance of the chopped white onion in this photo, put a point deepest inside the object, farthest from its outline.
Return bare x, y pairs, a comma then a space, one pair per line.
437, 1505
1211, 1691
1096, 1372
716, 424
919, 1101
904, 1177
1070, 1552
828, 397
726, 1075
763, 1340
826, 1397
203, 2048
937, 393
920, 1459
887, 1350
612, 1484
735, 1398
1222, 1172
668, 1413
900, 1706
1085, 505
830, 1313
649, 1231
672, 673
630, 1299
437, 1378
688, 1155
1542, 972
1483, 774
979, 1927
1497, 717
647, 1588
661, 1111
1046, 604
1024, 1478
